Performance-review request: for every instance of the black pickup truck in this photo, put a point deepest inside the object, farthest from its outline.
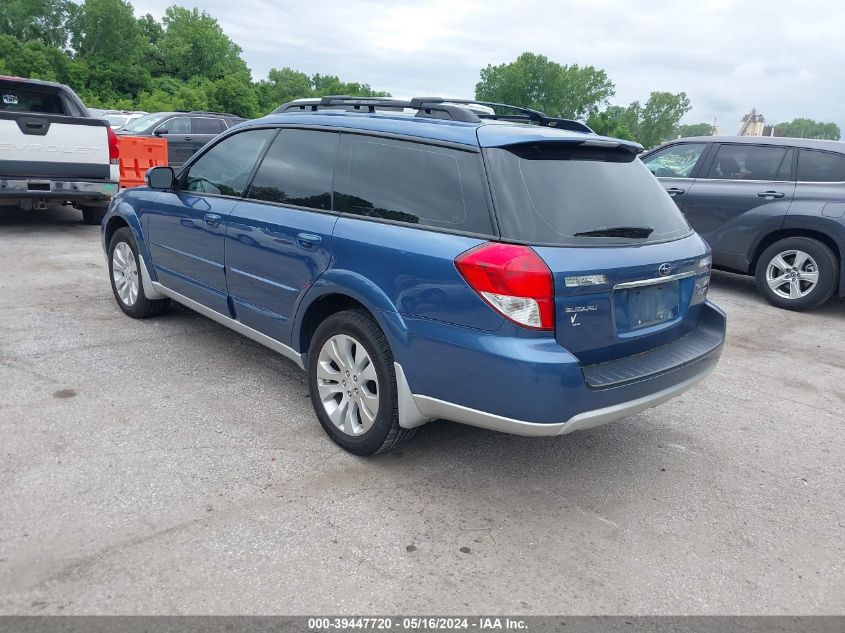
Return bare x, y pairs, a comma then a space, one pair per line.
53, 151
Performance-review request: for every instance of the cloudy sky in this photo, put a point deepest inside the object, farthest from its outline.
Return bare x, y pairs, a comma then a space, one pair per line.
787, 59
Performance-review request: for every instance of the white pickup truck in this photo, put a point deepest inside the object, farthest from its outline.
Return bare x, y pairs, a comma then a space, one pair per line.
53, 151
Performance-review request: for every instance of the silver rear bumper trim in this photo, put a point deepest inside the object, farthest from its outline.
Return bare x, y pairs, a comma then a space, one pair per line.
426, 408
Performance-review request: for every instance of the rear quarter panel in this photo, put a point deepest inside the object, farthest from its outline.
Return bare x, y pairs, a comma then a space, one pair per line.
398, 271
820, 207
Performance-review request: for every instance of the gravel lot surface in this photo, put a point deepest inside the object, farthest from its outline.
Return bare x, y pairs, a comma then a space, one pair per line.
171, 466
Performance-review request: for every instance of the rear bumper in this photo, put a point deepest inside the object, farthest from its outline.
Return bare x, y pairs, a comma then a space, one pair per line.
543, 398
57, 189
431, 408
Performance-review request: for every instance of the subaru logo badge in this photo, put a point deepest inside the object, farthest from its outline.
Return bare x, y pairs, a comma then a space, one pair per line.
664, 269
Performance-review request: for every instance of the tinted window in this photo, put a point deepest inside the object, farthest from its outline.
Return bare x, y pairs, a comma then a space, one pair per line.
820, 166
297, 170
176, 125
785, 171
677, 161
411, 182
555, 194
207, 126
18, 100
143, 123
225, 168
747, 162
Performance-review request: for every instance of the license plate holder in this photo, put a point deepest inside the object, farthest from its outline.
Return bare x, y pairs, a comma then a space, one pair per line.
645, 306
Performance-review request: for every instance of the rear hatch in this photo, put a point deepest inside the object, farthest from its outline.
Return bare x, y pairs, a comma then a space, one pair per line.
629, 274
42, 135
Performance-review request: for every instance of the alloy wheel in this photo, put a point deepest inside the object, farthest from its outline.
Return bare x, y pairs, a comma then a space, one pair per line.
792, 274
348, 384
125, 273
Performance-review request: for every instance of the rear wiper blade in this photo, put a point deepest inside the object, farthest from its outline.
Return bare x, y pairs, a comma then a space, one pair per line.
618, 231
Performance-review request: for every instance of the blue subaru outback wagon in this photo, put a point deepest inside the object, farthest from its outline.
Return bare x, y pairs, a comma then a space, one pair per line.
430, 259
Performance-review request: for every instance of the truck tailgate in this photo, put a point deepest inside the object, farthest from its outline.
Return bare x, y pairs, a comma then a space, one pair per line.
36, 145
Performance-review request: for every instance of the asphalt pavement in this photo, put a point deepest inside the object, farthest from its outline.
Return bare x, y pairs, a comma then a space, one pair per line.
171, 466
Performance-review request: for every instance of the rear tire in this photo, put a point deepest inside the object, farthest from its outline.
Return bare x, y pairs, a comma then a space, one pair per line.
797, 273
352, 384
125, 276
93, 215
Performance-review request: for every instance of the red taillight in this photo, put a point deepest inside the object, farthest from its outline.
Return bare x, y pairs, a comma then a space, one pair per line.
513, 280
114, 150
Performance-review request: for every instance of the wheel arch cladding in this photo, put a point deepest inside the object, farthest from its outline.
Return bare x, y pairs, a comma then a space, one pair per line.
336, 291
124, 215
114, 223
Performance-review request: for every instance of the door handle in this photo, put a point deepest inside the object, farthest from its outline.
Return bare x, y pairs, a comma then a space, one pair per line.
308, 240
771, 194
212, 220
189, 138
675, 191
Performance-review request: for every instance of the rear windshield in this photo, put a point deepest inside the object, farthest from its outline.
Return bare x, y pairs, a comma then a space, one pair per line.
116, 120
142, 123
563, 195
22, 100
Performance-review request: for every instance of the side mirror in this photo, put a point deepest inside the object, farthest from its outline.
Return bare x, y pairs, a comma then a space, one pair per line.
160, 132
161, 178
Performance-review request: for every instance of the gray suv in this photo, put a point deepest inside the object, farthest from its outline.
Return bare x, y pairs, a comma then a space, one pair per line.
769, 207
186, 132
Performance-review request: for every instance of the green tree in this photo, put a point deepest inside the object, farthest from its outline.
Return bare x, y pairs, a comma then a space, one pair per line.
807, 128
42, 20
648, 124
695, 129
660, 116
233, 95
281, 86
534, 81
107, 41
33, 59
114, 60
613, 121
151, 29
288, 84
194, 45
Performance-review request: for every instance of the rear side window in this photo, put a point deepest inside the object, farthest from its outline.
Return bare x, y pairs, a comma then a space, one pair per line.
816, 166
676, 161
297, 170
207, 126
18, 100
413, 183
747, 162
176, 125
550, 193
225, 168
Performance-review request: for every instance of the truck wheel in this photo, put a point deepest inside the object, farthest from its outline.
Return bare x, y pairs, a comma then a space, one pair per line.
353, 384
124, 272
797, 273
93, 215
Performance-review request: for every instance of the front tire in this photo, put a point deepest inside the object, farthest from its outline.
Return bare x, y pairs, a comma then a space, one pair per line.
797, 273
352, 384
124, 273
